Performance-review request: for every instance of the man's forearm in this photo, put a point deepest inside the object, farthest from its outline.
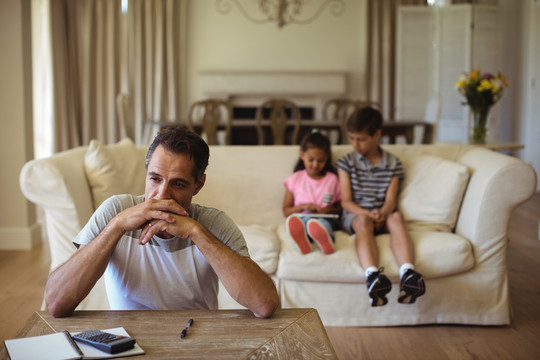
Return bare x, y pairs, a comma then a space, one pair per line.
245, 281
251, 287
68, 285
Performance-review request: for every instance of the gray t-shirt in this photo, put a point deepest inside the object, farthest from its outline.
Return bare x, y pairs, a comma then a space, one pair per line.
164, 274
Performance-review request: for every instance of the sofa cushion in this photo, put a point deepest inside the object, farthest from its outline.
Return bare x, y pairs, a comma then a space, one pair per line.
263, 246
432, 192
114, 169
438, 254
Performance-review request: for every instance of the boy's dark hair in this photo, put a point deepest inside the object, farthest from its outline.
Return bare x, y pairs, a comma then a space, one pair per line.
181, 140
318, 141
365, 119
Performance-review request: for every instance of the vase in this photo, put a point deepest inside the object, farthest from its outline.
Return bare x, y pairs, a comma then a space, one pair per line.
479, 125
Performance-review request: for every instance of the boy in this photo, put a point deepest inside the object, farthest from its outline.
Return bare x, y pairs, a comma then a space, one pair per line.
369, 181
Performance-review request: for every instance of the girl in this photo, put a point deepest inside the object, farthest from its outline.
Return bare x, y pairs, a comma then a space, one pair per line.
312, 196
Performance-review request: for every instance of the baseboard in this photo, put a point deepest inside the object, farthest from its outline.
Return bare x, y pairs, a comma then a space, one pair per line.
20, 238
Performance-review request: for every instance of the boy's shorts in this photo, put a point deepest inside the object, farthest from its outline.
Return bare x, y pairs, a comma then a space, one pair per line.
346, 222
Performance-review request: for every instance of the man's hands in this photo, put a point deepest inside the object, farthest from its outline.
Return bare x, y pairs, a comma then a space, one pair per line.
166, 218
179, 225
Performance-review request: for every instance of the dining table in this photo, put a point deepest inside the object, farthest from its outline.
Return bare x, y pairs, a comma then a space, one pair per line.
244, 131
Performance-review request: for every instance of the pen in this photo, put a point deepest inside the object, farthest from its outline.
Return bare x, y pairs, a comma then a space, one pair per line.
188, 324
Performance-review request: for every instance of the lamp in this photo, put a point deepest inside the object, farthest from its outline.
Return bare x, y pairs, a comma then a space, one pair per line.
281, 11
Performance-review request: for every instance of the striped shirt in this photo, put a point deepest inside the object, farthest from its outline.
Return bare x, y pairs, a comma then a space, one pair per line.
370, 182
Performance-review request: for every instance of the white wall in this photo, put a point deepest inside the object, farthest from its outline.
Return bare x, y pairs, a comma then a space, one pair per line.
218, 41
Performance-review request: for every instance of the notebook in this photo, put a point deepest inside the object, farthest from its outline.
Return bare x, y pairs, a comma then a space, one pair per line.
61, 346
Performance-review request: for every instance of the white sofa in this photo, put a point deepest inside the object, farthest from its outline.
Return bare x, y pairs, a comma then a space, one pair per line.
457, 200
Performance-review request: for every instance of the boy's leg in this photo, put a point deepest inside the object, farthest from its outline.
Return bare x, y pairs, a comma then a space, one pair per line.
400, 241
368, 252
366, 247
412, 284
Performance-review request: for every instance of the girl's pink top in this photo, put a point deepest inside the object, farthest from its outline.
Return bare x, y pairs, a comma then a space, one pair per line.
307, 190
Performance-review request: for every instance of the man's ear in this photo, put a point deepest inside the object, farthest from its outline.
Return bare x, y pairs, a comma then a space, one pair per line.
200, 184
378, 134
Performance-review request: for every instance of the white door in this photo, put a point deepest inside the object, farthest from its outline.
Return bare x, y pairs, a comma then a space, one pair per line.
532, 137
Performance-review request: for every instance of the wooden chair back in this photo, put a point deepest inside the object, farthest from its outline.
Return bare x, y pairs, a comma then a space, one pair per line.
340, 109
281, 113
206, 117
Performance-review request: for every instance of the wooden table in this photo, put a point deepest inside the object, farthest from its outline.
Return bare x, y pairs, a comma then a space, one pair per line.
215, 334
502, 146
495, 146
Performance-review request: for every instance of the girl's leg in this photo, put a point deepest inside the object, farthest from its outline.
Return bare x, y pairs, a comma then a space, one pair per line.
321, 232
296, 227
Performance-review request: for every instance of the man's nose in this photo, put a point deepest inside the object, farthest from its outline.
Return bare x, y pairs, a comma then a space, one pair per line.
163, 192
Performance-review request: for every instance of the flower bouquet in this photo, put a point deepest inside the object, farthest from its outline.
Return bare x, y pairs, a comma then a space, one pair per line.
482, 91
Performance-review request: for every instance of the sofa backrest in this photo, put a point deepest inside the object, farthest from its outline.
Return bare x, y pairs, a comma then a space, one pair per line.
247, 181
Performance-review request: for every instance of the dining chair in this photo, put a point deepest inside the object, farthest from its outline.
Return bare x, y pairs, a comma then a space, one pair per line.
207, 117
340, 109
335, 110
278, 114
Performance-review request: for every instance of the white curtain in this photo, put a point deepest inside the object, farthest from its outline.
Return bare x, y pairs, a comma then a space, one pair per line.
42, 79
98, 52
85, 65
381, 52
156, 62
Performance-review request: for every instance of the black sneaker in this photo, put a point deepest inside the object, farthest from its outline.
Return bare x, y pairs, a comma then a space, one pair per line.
378, 286
412, 286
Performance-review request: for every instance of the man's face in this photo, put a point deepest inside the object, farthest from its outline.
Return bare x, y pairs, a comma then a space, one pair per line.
170, 176
363, 143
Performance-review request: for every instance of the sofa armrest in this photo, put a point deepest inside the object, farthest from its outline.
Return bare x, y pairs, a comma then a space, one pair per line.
497, 185
58, 184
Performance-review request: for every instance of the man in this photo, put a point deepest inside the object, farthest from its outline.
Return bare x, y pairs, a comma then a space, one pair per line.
159, 250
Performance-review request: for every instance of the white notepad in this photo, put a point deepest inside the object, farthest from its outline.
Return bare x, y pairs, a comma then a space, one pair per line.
60, 346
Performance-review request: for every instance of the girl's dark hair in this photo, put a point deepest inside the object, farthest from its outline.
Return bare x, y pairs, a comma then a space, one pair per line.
181, 140
316, 140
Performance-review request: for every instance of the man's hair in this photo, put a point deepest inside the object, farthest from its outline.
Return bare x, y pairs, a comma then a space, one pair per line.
181, 140
365, 119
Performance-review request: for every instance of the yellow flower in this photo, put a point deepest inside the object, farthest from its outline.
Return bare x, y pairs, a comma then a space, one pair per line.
460, 84
503, 79
475, 74
485, 85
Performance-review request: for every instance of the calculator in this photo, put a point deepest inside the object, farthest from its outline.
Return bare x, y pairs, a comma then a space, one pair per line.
105, 341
